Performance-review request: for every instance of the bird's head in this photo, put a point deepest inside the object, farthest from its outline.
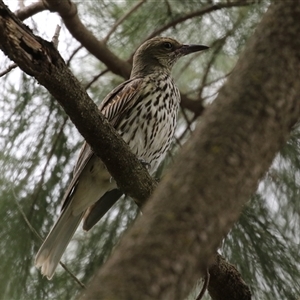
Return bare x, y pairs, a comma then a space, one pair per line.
160, 54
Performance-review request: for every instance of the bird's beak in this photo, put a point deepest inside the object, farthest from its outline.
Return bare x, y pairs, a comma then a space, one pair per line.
187, 49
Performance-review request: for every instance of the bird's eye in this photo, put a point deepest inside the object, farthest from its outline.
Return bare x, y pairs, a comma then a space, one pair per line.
168, 46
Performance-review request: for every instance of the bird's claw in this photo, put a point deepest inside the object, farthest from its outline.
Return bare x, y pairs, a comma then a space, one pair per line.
145, 163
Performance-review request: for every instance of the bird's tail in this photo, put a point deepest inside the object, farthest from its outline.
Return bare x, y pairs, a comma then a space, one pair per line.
57, 241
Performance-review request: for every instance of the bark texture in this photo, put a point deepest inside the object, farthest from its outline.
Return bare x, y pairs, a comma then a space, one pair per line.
197, 203
226, 282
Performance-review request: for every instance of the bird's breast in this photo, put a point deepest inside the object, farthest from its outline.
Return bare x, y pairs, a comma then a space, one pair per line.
149, 126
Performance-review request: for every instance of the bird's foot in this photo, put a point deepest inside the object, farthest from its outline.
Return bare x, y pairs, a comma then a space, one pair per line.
145, 163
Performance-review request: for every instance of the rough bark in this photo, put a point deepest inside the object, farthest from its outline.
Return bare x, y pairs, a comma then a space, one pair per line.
197, 203
226, 282
41, 60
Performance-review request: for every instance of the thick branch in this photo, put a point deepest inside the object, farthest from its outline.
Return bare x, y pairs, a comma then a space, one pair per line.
199, 200
40, 59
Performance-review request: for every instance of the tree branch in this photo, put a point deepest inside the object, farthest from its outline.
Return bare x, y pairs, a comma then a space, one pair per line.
196, 106
8, 69
68, 12
30, 10
199, 13
40, 59
32, 229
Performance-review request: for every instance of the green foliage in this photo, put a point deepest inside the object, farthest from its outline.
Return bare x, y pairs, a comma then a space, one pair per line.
38, 148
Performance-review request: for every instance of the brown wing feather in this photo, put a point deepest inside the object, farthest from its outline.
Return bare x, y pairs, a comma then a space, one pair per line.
112, 107
120, 99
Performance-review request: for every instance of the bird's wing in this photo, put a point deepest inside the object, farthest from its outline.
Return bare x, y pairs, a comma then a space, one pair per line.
96, 211
120, 100
112, 107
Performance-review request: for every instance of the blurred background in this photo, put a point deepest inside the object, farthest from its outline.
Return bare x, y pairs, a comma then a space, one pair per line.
39, 147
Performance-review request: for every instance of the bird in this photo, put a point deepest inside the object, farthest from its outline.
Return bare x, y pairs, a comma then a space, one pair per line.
143, 110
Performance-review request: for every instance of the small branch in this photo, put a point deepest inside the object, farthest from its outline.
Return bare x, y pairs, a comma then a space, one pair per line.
121, 20
38, 187
68, 62
198, 13
11, 67
186, 118
72, 275
87, 86
223, 77
68, 12
56, 36
187, 129
169, 8
216, 47
196, 106
205, 286
32, 229
30, 10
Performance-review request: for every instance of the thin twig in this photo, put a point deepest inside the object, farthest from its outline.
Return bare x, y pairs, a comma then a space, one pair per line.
26, 220
40, 183
187, 129
188, 122
11, 67
217, 46
72, 275
40, 238
205, 285
122, 19
96, 78
223, 77
199, 13
73, 54
169, 8
56, 36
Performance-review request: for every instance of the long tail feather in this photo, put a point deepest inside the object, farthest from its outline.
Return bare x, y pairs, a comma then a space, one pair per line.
56, 242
